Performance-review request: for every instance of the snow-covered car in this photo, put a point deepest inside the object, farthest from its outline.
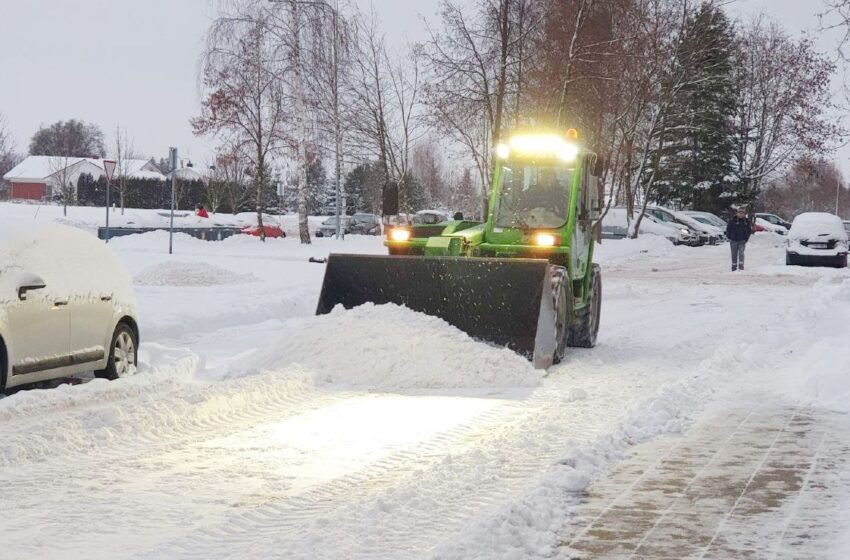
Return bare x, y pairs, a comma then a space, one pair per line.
769, 226
431, 217
707, 218
698, 236
817, 238
270, 231
775, 220
614, 226
709, 233
67, 306
250, 225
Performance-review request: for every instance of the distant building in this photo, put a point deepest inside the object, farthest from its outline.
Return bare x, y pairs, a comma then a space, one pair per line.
38, 177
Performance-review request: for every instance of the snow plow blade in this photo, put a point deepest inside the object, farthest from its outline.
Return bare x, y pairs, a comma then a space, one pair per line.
507, 302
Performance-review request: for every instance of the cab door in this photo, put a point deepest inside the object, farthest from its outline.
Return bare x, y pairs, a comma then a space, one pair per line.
586, 213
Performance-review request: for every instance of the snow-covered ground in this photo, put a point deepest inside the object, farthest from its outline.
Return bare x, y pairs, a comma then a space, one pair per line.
257, 430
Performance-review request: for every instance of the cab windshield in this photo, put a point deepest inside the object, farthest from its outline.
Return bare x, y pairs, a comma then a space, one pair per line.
534, 196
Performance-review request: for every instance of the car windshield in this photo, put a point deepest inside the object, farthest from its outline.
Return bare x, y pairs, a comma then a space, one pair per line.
702, 219
534, 196
330, 221
362, 218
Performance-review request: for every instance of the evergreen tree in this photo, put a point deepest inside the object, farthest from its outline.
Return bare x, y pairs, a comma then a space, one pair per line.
411, 194
695, 161
363, 189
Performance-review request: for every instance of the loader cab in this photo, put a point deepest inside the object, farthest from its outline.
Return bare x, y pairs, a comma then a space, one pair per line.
543, 184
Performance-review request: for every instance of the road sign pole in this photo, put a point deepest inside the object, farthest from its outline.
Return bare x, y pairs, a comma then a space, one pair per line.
172, 152
109, 170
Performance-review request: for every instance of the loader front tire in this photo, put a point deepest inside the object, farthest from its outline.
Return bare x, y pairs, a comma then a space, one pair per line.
562, 325
586, 325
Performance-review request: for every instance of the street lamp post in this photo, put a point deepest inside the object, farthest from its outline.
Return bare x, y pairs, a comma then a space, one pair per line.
109, 170
172, 156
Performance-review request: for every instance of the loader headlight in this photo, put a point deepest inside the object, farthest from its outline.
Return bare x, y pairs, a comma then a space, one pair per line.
503, 151
568, 152
400, 234
542, 145
546, 239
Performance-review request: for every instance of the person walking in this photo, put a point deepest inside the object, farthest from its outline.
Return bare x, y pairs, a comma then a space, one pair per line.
738, 231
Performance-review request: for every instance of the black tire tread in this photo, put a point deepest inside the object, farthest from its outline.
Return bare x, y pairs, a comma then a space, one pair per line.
580, 334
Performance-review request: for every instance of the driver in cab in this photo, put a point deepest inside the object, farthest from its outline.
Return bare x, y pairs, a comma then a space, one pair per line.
546, 194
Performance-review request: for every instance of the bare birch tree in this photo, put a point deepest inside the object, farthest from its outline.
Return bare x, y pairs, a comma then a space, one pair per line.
123, 152
244, 102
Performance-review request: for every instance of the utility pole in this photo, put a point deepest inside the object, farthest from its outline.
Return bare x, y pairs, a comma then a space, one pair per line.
172, 157
837, 188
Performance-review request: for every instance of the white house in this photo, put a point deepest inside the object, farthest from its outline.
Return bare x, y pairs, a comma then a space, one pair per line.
37, 177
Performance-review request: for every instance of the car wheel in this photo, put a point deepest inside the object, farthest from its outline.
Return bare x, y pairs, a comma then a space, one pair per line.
789, 260
122, 354
841, 261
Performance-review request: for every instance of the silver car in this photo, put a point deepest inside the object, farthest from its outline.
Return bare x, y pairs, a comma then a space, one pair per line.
67, 306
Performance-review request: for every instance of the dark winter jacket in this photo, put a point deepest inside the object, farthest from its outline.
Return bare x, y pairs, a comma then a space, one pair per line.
738, 229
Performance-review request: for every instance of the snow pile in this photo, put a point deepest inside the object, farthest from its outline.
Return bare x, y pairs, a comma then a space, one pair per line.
176, 273
390, 347
818, 362
620, 250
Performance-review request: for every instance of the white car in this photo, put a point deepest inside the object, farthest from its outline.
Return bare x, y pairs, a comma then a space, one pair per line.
817, 238
707, 218
67, 306
614, 225
769, 226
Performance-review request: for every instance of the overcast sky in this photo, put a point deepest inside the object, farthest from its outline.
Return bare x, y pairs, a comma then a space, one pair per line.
135, 63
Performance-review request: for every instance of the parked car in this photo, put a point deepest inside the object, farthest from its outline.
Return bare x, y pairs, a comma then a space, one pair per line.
764, 225
358, 224
328, 227
271, 231
67, 306
817, 238
699, 234
847, 226
614, 226
431, 217
774, 219
364, 224
707, 218
250, 226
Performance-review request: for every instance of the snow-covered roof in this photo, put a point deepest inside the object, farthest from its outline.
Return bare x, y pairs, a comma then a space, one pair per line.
190, 174
39, 168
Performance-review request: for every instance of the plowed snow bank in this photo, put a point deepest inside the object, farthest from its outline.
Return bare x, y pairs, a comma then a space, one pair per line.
175, 273
392, 347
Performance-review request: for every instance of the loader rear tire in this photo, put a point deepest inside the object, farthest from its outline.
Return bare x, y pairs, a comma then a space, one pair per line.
585, 328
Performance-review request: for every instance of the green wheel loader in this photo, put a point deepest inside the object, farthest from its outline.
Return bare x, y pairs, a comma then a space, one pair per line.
524, 278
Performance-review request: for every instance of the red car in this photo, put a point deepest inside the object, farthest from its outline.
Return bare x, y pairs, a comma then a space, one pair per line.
272, 232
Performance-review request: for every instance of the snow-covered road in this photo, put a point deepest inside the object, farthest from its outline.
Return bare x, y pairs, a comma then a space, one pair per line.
255, 430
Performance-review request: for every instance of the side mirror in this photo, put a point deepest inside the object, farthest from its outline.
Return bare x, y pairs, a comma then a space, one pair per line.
26, 282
